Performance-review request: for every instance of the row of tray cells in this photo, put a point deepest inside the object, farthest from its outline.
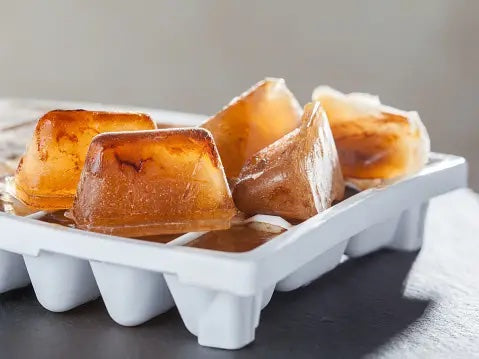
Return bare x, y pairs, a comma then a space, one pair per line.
133, 296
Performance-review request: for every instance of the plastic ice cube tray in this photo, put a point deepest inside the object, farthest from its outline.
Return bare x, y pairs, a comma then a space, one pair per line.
219, 295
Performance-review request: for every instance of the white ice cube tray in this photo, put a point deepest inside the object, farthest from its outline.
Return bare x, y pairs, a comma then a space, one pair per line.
219, 295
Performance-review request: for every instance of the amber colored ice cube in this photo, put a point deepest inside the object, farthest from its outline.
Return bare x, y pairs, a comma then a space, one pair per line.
47, 175
153, 182
252, 121
373, 141
295, 177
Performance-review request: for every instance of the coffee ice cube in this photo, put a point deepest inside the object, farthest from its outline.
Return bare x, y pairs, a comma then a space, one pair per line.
153, 182
295, 177
377, 144
48, 173
252, 121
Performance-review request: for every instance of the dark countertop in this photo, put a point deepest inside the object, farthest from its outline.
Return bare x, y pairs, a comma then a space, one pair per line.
387, 304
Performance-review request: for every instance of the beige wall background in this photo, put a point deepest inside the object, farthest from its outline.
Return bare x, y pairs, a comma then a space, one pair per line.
196, 55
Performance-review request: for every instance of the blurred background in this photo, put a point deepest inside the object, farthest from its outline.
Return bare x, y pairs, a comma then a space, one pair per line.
194, 56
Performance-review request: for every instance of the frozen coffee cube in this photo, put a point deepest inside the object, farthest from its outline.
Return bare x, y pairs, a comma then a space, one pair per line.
48, 173
153, 182
376, 144
252, 121
295, 177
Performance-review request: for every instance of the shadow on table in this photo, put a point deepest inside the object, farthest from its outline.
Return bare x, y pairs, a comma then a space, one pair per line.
349, 312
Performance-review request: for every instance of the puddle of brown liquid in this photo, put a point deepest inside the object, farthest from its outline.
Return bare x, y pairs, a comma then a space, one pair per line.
241, 238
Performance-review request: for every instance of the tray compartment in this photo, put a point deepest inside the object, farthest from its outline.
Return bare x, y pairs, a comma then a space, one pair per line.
373, 238
403, 232
314, 269
219, 319
13, 273
132, 296
61, 282
410, 232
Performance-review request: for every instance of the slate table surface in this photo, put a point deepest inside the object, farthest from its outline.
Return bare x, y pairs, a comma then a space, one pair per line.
388, 304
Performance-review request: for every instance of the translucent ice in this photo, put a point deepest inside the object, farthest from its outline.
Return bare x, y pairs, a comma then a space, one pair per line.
252, 121
375, 143
153, 182
47, 175
295, 177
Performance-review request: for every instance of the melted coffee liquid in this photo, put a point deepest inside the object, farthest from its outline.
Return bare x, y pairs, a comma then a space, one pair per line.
236, 239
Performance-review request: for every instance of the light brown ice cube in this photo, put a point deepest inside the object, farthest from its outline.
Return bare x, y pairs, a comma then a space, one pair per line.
252, 121
295, 177
376, 143
153, 182
47, 175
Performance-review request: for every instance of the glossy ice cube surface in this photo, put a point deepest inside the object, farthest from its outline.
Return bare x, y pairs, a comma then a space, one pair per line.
153, 182
295, 177
252, 121
374, 141
47, 175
